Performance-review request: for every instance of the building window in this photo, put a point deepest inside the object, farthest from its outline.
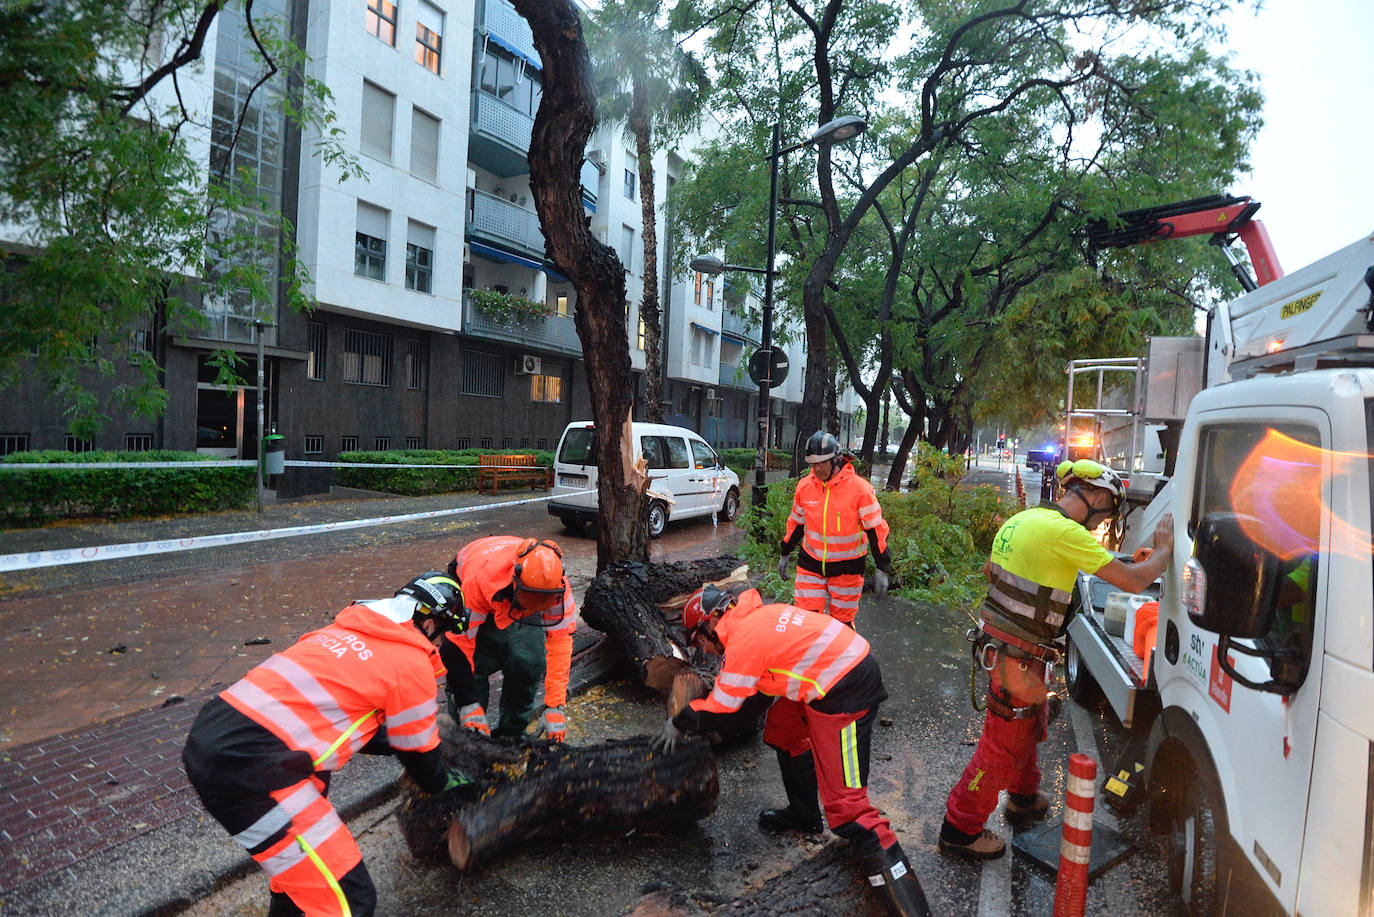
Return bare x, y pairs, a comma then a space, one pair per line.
630, 183
711, 294
369, 249
484, 374
348, 444
140, 341
379, 111
541, 443
11, 443
415, 365
424, 146
627, 247
367, 357
505, 442
412, 442
314, 364
510, 81
561, 303
696, 288
314, 445
524, 442
546, 388
484, 443
420, 258
75, 443
464, 442
639, 337
381, 20
429, 31
138, 442
381, 443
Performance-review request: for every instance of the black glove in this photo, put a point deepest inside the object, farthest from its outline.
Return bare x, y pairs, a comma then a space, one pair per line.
881, 580
782, 566
667, 738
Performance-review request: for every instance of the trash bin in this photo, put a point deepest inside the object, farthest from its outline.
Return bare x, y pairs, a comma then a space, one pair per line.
274, 454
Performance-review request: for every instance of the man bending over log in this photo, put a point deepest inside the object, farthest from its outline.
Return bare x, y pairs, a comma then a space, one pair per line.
828, 687
522, 621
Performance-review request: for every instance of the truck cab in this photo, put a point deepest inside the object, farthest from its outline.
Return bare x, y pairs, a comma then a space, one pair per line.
1255, 692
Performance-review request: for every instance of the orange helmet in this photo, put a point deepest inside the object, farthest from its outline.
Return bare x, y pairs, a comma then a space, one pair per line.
538, 575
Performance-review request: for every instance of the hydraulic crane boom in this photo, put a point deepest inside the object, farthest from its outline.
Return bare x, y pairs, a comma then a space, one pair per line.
1221, 216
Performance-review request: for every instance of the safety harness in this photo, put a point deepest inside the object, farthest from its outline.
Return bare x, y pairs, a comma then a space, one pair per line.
991, 647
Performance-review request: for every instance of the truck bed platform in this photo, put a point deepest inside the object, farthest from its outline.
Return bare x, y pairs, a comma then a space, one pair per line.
1119, 672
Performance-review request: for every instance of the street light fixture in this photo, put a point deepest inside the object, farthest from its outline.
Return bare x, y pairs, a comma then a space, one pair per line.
841, 129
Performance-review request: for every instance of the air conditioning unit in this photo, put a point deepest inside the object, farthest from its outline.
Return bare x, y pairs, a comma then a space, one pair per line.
598, 157
710, 394
528, 364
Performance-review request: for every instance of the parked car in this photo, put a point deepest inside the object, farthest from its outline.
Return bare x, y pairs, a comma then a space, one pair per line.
686, 477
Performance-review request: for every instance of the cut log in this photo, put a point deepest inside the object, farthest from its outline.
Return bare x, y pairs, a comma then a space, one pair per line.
533, 790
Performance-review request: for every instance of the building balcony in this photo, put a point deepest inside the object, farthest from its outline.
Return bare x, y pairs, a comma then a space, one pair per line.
500, 137
499, 220
736, 375
499, 20
556, 332
735, 325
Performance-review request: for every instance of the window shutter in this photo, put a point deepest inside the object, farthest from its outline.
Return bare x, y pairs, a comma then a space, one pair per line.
430, 17
371, 221
424, 147
379, 107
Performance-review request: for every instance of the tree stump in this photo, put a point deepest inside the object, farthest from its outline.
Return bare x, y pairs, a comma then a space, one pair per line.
534, 790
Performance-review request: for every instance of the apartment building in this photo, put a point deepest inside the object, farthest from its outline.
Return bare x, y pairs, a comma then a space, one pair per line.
404, 349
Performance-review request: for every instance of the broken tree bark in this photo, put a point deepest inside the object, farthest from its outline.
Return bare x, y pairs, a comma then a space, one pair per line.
549, 791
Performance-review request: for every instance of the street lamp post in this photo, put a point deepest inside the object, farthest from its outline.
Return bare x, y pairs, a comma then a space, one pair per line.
837, 131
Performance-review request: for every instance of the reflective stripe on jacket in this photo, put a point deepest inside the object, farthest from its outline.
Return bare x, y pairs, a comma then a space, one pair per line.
485, 569
835, 516
330, 693
781, 651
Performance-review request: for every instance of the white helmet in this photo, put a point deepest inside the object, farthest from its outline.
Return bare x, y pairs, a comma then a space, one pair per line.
1093, 474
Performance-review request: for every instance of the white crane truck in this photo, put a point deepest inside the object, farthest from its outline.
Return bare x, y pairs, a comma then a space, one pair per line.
1253, 704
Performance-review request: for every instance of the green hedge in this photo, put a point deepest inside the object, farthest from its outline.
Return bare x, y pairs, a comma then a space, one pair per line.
30, 498
414, 482
741, 461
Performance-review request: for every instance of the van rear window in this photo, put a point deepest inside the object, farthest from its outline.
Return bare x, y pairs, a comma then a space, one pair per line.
579, 447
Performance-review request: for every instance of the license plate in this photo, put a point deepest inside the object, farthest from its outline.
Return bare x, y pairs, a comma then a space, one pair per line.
572, 480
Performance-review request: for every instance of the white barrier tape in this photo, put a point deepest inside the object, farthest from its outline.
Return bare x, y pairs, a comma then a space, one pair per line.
226, 463
36, 559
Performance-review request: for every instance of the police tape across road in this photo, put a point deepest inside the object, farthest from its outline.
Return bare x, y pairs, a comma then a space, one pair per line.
36, 559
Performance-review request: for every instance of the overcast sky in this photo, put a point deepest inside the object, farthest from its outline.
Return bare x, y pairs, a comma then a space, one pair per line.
1314, 159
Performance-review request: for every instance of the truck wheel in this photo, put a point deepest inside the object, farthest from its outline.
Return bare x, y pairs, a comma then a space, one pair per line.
730, 509
1194, 835
657, 519
1082, 687
574, 525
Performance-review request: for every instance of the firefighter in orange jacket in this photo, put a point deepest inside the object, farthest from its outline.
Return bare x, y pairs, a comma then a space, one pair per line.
523, 618
837, 520
828, 687
261, 753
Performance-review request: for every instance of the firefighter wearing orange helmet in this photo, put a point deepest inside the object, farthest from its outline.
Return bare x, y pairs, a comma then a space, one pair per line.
827, 687
260, 755
522, 622
837, 520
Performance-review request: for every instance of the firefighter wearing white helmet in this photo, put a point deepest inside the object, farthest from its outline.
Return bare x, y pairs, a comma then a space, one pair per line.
1035, 559
837, 521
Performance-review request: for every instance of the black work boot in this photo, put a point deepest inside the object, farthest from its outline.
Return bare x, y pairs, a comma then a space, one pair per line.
803, 811
891, 877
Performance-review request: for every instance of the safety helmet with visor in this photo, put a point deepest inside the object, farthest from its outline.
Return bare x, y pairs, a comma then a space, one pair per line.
823, 447
707, 603
438, 598
538, 581
1086, 472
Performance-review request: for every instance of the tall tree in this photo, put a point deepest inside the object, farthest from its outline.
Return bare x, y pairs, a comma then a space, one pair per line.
562, 126
647, 80
118, 223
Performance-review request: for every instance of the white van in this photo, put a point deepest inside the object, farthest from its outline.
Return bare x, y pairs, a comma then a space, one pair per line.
687, 473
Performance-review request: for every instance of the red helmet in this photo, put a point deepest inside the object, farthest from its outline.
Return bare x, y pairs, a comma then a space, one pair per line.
707, 602
538, 574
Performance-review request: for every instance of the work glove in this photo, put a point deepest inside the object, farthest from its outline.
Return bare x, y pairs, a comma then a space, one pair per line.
457, 780
881, 580
475, 718
782, 566
554, 724
667, 738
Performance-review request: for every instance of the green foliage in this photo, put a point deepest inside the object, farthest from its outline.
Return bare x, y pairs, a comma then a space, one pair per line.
941, 533
31, 498
508, 308
413, 482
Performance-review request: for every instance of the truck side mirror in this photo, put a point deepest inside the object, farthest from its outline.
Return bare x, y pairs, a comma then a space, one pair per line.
1242, 578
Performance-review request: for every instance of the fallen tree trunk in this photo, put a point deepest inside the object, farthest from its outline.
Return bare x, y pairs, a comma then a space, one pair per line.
550, 791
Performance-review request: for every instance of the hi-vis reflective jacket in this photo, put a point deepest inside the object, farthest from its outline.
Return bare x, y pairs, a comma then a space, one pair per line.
781, 651
485, 569
835, 517
1036, 556
330, 693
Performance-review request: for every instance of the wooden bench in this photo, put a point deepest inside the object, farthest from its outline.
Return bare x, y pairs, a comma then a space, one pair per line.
513, 469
